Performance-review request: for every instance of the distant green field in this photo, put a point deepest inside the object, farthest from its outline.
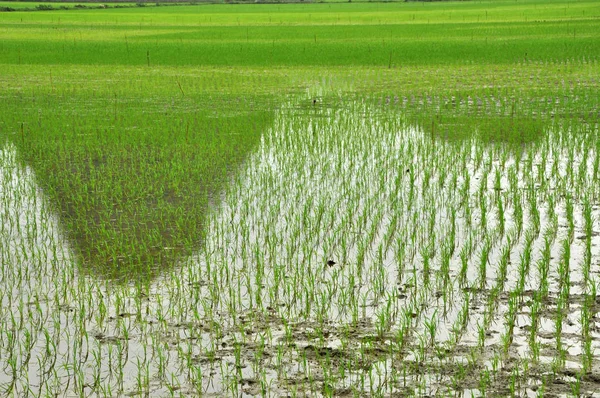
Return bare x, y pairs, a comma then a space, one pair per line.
30, 5
313, 34
321, 199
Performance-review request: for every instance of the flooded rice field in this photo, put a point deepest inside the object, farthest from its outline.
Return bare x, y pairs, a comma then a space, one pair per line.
355, 252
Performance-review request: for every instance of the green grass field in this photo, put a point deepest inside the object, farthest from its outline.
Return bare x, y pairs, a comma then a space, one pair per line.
323, 199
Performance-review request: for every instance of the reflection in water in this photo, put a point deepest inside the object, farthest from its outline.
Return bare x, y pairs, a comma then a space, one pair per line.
428, 241
510, 130
134, 203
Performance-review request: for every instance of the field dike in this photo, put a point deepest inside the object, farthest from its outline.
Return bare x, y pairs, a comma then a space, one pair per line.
357, 253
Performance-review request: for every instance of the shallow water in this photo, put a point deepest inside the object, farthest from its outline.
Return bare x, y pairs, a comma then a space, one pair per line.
259, 311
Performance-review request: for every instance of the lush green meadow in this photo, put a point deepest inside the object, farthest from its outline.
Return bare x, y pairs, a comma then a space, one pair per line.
328, 199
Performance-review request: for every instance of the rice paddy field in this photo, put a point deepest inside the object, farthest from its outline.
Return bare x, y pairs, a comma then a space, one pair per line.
49, 6
328, 199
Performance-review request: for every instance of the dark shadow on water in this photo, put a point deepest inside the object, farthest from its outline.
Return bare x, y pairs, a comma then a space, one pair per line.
511, 131
133, 194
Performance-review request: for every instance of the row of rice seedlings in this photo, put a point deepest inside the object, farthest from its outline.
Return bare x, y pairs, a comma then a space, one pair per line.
523, 269
325, 185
